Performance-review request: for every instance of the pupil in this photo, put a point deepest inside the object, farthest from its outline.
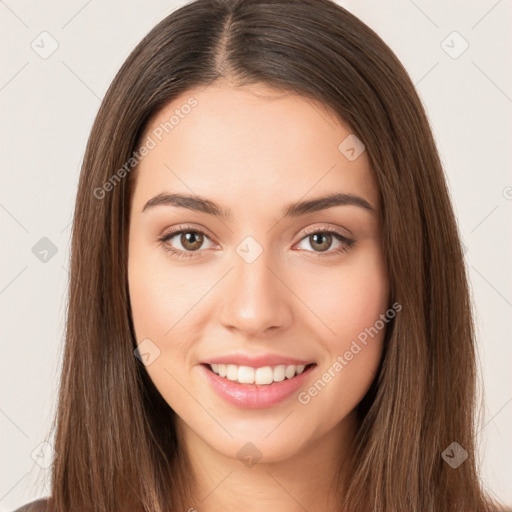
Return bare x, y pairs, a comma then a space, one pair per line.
324, 246
188, 238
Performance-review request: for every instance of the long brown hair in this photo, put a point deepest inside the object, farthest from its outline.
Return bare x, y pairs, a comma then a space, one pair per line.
115, 438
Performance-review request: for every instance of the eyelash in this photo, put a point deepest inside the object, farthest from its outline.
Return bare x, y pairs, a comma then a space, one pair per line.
348, 243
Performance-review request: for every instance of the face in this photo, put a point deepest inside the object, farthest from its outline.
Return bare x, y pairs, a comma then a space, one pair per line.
248, 309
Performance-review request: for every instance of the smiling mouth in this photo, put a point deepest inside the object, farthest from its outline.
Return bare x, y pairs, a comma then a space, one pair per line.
263, 376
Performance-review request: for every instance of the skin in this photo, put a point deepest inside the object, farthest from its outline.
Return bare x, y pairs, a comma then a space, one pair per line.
255, 149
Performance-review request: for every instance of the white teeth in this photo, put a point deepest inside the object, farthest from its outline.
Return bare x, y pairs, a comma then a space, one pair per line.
264, 375
232, 372
245, 375
290, 371
279, 373
260, 376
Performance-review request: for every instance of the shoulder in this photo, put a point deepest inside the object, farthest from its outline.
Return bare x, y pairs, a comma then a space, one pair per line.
34, 506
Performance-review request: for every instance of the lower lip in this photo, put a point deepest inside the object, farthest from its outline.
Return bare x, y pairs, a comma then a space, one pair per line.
253, 396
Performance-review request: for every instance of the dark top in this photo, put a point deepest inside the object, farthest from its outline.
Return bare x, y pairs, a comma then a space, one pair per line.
34, 506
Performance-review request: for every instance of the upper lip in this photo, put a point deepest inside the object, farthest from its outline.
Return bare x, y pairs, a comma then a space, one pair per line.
256, 361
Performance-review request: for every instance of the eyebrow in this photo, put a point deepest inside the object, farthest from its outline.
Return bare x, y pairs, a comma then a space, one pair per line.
201, 204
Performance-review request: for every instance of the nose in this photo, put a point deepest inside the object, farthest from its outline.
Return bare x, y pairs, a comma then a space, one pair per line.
256, 300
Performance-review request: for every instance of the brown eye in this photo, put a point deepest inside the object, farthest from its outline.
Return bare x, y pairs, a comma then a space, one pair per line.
320, 241
185, 242
191, 240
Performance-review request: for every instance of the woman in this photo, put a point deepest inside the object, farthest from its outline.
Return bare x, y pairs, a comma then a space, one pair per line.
268, 300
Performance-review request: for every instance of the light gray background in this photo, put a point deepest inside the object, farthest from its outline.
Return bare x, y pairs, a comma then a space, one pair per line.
47, 109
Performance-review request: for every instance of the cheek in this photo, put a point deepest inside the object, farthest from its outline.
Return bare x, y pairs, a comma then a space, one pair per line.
160, 301
159, 295
346, 300
149, 303
168, 308
351, 303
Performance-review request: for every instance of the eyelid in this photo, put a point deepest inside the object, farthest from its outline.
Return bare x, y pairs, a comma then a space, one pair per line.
347, 242
186, 227
326, 227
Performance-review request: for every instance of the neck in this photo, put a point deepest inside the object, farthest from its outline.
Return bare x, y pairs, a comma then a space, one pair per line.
307, 480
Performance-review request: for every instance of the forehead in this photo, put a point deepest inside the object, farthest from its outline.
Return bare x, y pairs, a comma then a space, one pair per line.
261, 144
